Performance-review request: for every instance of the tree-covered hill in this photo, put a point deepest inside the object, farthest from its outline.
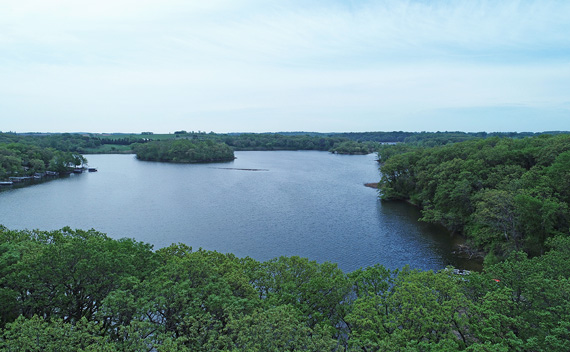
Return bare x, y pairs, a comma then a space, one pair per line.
503, 194
75, 290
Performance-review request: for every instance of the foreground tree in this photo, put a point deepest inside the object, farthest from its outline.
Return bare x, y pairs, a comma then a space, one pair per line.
74, 290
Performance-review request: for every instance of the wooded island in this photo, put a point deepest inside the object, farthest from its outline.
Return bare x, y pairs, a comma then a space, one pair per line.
184, 151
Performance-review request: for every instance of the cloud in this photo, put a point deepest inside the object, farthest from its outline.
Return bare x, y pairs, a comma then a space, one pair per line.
328, 33
241, 61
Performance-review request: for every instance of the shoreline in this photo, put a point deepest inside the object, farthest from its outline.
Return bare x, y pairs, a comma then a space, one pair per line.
461, 248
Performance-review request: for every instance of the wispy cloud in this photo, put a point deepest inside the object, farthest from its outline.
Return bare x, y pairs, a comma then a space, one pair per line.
241, 61
329, 33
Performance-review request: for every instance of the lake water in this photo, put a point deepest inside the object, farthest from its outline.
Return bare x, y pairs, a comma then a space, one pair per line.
263, 205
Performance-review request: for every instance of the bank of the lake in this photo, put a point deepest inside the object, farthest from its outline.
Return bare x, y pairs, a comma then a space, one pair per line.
311, 204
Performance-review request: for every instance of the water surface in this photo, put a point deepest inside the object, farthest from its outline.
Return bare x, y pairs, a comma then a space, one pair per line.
263, 205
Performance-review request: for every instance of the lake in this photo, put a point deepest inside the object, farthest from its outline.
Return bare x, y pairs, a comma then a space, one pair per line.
263, 205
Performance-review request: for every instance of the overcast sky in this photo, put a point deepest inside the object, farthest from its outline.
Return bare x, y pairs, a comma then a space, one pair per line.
258, 65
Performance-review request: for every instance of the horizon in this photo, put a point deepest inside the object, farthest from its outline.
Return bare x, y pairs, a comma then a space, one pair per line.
287, 132
249, 65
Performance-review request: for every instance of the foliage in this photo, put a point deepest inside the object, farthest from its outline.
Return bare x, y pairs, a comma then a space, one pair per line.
342, 143
429, 139
184, 151
65, 142
278, 141
19, 159
39, 334
503, 194
352, 147
75, 290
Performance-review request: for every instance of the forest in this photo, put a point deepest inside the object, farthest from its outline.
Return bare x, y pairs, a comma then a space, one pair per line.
76, 290
503, 194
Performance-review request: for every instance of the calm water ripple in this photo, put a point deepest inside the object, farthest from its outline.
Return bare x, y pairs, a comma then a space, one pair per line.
311, 204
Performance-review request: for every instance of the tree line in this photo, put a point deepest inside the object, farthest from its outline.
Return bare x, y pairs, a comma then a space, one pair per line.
276, 141
79, 143
342, 143
503, 194
94, 143
66, 142
76, 290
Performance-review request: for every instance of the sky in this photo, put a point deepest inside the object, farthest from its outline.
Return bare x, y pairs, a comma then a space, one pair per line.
290, 65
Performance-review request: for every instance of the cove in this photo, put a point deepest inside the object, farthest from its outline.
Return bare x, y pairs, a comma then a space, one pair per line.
262, 205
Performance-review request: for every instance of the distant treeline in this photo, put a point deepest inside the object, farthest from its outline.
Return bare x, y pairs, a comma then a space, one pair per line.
503, 194
69, 142
283, 141
75, 290
184, 151
361, 142
273, 141
432, 138
94, 143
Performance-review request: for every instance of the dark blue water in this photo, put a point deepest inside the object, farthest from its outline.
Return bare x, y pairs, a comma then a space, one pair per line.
311, 204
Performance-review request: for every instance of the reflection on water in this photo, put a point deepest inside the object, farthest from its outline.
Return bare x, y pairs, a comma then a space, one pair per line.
404, 221
312, 204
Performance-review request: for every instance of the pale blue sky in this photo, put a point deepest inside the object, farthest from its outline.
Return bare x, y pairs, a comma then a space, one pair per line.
252, 65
